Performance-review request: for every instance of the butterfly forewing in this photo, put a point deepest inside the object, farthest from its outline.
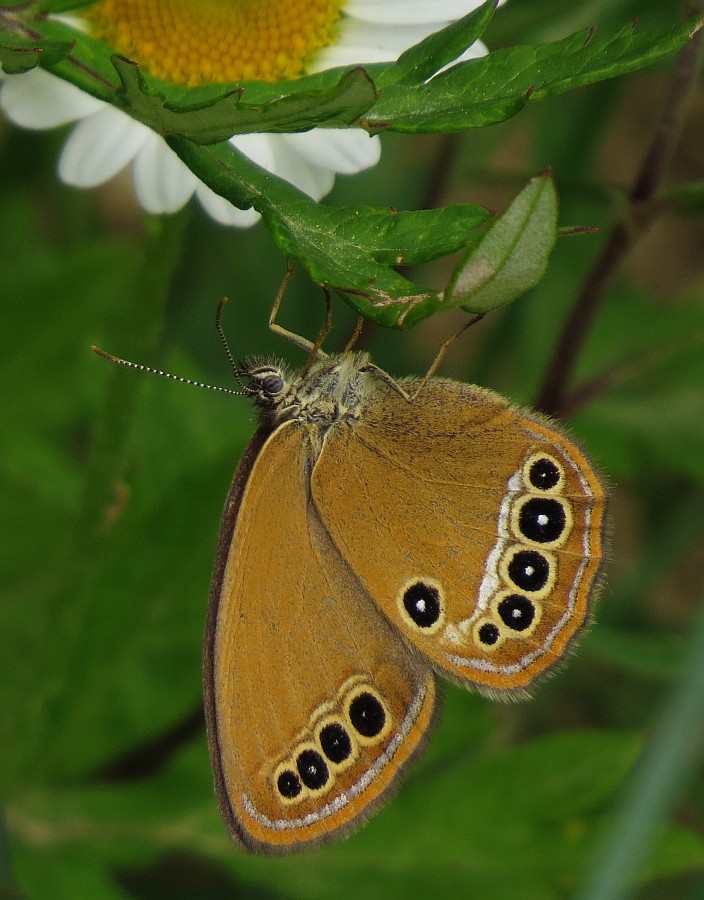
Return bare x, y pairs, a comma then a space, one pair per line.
314, 704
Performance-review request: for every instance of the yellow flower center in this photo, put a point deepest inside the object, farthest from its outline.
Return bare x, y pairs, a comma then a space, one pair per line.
198, 41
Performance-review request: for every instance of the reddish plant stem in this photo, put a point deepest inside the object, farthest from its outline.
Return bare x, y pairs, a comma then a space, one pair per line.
441, 172
628, 370
553, 398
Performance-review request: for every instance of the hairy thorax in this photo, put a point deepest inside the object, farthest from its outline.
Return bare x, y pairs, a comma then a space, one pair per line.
332, 391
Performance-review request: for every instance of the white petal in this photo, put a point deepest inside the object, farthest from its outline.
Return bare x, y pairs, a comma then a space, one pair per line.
278, 154
406, 11
341, 150
162, 182
38, 99
296, 169
478, 48
223, 211
257, 147
361, 42
75, 22
348, 55
100, 146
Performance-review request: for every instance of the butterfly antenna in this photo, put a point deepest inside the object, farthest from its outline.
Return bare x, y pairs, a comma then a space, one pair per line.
236, 371
141, 368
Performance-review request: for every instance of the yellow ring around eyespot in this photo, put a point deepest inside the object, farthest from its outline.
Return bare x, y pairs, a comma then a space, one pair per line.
354, 753
498, 624
512, 632
533, 548
538, 545
533, 458
362, 739
194, 42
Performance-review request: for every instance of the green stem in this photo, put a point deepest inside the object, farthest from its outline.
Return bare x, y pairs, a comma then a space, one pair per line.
9, 889
553, 397
666, 766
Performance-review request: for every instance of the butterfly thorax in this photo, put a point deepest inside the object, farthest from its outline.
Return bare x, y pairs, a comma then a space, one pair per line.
333, 389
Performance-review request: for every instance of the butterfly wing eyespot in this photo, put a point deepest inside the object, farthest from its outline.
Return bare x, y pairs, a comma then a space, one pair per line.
543, 472
517, 612
529, 569
459, 512
544, 521
421, 604
314, 704
337, 743
368, 716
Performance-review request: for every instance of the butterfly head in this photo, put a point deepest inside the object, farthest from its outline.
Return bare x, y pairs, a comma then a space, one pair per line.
330, 391
268, 383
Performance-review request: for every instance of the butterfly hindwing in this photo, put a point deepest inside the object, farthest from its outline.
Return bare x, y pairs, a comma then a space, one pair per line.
475, 527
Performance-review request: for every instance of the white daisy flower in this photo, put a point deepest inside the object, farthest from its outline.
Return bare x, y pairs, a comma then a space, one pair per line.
214, 41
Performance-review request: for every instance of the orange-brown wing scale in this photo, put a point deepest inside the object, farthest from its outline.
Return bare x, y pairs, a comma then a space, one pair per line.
476, 528
313, 703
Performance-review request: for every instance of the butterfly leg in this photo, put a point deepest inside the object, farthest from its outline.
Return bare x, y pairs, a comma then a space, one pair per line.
444, 347
387, 379
315, 351
303, 343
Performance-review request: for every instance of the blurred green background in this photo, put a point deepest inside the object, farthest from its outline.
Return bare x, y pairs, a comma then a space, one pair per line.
113, 484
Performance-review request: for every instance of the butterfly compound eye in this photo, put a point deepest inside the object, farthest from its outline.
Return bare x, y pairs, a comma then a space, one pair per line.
272, 384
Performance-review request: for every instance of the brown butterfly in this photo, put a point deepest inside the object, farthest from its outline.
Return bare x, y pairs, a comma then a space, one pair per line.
377, 534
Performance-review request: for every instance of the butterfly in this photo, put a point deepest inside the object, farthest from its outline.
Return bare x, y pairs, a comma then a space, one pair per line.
379, 534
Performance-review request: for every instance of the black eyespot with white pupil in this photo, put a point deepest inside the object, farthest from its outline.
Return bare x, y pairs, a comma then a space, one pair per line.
488, 634
289, 784
336, 742
543, 474
422, 603
367, 715
517, 612
312, 768
529, 570
542, 519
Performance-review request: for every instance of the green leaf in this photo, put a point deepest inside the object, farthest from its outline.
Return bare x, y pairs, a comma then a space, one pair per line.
351, 249
395, 96
214, 120
656, 656
422, 61
18, 55
512, 255
484, 91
